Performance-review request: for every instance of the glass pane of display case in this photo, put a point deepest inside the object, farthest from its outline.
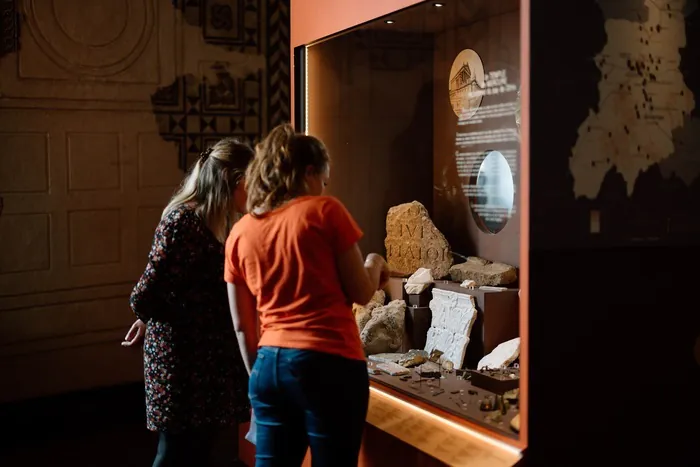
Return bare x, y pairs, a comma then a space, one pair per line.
420, 113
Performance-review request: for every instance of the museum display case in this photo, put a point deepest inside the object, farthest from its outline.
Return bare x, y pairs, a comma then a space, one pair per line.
602, 231
419, 104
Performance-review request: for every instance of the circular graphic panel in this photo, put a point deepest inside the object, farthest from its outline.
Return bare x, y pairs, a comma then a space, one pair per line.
89, 37
467, 84
492, 192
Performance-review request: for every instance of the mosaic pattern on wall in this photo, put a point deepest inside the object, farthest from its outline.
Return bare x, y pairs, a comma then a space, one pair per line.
9, 27
195, 112
278, 62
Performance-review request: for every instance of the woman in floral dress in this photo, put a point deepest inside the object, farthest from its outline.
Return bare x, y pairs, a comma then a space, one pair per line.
196, 383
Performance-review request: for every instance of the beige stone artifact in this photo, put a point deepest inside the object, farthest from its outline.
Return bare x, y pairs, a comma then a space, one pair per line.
413, 242
363, 313
484, 272
383, 333
386, 357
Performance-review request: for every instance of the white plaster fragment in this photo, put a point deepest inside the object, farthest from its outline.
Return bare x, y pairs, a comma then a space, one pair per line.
419, 281
454, 315
502, 356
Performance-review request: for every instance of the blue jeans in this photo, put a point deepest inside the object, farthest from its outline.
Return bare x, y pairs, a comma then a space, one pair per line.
307, 399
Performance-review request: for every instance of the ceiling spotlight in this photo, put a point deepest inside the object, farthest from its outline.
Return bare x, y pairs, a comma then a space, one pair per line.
438, 5
389, 21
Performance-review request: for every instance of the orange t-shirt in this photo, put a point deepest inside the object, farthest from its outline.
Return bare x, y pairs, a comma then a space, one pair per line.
287, 259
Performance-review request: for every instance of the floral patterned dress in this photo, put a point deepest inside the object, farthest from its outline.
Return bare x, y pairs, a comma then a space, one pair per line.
194, 373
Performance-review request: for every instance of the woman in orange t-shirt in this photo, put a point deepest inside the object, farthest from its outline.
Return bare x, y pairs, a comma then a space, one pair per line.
294, 266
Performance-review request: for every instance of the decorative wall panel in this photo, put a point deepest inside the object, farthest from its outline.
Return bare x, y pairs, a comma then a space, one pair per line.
92, 55
103, 106
93, 161
94, 237
24, 243
106, 39
24, 163
155, 164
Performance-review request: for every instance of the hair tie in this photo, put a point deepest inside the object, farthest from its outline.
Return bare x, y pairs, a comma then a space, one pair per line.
204, 155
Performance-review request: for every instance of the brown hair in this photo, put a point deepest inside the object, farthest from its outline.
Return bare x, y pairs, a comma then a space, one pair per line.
210, 184
276, 175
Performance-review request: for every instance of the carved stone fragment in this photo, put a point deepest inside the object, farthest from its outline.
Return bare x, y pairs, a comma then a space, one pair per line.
392, 369
414, 358
454, 315
386, 357
363, 313
435, 355
503, 355
413, 242
362, 316
418, 282
383, 333
483, 272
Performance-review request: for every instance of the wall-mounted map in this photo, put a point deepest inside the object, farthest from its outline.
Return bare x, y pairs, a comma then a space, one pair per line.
643, 116
616, 124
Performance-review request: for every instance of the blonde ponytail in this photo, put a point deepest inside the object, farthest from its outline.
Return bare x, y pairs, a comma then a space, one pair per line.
187, 191
210, 184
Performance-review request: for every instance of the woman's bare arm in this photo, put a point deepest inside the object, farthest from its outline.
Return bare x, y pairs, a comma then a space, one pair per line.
244, 313
361, 279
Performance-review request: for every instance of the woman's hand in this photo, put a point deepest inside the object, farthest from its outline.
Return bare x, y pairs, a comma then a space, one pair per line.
379, 269
135, 334
384, 275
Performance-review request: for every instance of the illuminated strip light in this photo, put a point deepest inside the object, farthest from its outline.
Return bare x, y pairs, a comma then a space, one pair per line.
476, 434
306, 90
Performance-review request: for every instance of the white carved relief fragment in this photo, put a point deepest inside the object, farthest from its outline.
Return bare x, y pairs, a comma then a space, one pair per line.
454, 315
502, 356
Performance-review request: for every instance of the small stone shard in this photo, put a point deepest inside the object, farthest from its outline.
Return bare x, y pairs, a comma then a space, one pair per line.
413, 242
483, 272
413, 358
515, 423
392, 369
386, 357
435, 355
418, 282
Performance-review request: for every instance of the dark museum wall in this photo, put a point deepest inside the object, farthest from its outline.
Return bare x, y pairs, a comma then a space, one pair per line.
615, 230
369, 100
102, 106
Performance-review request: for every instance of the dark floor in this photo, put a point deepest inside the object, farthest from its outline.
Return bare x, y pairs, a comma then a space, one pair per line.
99, 428
104, 427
